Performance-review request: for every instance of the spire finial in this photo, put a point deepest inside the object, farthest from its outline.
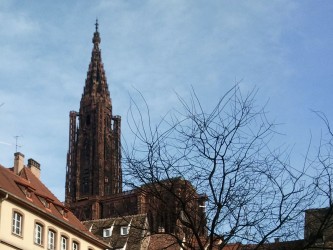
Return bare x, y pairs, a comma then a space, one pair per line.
96, 39
96, 25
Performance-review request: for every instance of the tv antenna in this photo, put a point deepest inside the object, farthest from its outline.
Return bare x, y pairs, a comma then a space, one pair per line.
16, 142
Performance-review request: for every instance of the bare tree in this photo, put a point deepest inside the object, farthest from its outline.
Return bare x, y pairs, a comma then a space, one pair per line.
324, 166
214, 175
319, 221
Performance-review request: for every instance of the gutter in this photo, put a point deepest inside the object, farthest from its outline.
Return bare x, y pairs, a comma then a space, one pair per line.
4, 198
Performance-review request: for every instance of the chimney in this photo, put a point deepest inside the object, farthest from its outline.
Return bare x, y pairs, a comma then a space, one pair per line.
34, 167
276, 240
18, 162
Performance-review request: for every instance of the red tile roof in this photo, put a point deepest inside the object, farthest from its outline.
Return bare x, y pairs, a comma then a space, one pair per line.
17, 184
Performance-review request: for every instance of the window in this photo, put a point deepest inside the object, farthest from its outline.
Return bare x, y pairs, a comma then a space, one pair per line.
26, 190
124, 230
38, 234
65, 214
28, 193
107, 232
88, 120
63, 243
51, 240
17, 223
44, 201
85, 185
75, 246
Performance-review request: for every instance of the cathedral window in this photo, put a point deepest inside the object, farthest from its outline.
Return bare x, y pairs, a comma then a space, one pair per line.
88, 120
85, 185
107, 189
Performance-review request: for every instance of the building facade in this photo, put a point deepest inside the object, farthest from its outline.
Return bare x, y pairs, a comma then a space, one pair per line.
31, 217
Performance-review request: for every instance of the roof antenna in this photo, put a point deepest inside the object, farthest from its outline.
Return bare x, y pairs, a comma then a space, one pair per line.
16, 142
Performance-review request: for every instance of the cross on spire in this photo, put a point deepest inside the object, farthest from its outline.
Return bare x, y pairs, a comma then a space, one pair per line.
96, 25
96, 39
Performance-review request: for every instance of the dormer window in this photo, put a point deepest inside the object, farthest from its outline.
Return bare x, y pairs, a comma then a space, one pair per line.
124, 230
28, 193
62, 210
47, 204
45, 201
26, 189
107, 232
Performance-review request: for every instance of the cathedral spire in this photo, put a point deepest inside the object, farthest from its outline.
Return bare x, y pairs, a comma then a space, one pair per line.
94, 155
96, 80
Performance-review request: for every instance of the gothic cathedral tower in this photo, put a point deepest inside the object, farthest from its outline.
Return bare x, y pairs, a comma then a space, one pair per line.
93, 160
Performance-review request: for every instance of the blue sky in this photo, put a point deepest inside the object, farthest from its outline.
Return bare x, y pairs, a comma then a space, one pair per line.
283, 48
